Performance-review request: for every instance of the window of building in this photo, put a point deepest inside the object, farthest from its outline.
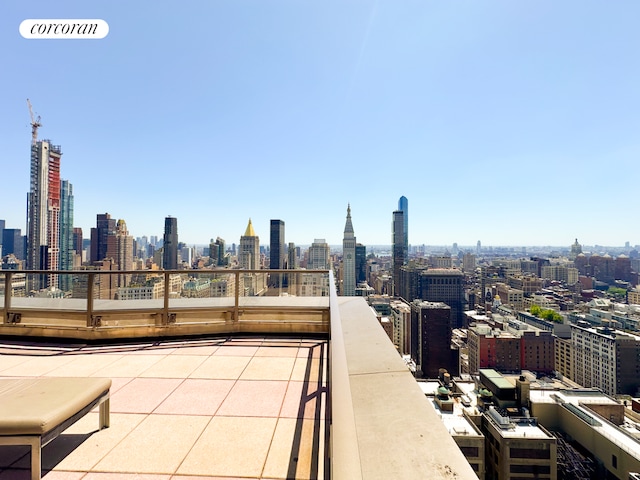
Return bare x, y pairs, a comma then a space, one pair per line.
469, 451
529, 453
535, 469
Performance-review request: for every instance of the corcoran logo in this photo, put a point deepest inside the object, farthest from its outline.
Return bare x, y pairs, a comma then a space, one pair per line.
64, 28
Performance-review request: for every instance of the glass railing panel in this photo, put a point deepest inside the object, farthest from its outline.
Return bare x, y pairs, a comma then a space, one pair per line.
2, 290
290, 288
202, 289
117, 291
45, 292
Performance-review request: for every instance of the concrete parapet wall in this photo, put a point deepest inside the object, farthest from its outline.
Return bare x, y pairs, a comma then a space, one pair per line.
399, 436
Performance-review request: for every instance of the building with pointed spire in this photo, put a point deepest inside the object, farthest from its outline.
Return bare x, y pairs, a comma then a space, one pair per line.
576, 249
249, 252
348, 258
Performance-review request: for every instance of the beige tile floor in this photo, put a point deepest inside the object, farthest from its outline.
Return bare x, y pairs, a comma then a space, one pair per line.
241, 408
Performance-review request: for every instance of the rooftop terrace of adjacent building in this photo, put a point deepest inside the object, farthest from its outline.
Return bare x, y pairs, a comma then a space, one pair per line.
247, 387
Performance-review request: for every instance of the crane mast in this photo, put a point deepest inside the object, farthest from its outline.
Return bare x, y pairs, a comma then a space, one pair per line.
35, 123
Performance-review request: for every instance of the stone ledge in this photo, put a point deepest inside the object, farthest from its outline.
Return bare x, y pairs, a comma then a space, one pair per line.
399, 436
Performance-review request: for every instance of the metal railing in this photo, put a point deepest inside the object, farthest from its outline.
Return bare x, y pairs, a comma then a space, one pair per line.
121, 303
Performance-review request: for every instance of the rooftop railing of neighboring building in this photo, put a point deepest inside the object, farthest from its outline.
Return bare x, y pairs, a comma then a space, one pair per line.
381, 425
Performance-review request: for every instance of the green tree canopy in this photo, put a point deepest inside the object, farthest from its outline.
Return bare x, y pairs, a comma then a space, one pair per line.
546, 314
617, 291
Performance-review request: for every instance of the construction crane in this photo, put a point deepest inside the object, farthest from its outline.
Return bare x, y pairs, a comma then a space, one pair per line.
35, 123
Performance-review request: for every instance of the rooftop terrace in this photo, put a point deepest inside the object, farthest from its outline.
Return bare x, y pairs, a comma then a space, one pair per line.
240, 407
255, 388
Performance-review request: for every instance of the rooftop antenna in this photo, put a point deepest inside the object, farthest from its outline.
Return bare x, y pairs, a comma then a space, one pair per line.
35, 123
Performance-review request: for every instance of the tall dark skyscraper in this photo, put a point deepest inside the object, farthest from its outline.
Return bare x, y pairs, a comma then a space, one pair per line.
13, 242
398, 248
105, 227
403, 206
170, 245
277, 248
213, 252
431, 338
221, 251
361, 263
277, 252
66, 233
445, 285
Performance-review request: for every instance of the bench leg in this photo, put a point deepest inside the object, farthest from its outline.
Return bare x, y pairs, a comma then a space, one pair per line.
104, 414
36, 459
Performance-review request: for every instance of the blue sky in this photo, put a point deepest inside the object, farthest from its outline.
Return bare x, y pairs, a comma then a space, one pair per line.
509, 122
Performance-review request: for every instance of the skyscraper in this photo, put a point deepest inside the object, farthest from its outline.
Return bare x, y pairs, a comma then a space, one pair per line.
221, 251
66, 233
318, 255
249, 253
43, 212
398, 248
276, 245
170, 244
213, 252
431, 338
445, 285
403, 206
105, 227
77, 240
292, 258
13, 242
348, 258
120, 250
361, 263
277, 253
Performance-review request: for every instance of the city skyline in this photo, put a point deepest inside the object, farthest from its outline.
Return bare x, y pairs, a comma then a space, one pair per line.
513, 124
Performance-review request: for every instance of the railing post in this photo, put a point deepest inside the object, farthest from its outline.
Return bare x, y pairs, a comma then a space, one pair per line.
7, 294
236, 307
165, 307
90, 282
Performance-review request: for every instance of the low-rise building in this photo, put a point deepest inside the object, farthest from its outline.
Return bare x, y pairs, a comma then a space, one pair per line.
455, 404
518, 447
513, 349
512, 297
529, 284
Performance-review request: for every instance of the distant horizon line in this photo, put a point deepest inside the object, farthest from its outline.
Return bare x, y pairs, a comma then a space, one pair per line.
446, 246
